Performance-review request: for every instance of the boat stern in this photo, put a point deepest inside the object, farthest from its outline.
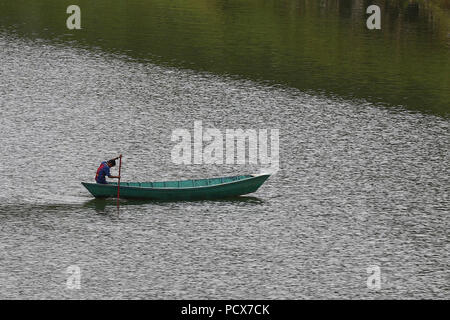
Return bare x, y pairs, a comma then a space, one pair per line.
100, 190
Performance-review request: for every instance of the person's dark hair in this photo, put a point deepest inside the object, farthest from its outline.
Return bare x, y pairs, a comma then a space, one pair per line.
112, 163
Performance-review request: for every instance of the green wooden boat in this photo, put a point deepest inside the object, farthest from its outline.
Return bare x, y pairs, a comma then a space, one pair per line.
214, 188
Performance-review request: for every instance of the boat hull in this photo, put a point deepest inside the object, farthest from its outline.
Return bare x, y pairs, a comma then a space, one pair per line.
238, 186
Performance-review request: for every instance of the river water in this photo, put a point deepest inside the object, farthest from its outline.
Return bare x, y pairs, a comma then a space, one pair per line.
360, 184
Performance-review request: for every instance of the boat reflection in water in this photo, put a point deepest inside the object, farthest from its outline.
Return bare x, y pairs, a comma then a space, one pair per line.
102, 205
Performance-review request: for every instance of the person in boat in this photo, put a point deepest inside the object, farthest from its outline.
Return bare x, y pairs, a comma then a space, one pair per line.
103, 171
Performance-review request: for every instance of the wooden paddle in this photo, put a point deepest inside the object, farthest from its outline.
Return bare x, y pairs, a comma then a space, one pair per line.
118, 182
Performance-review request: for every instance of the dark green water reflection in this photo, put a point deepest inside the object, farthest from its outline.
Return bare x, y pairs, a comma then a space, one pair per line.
322, 46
